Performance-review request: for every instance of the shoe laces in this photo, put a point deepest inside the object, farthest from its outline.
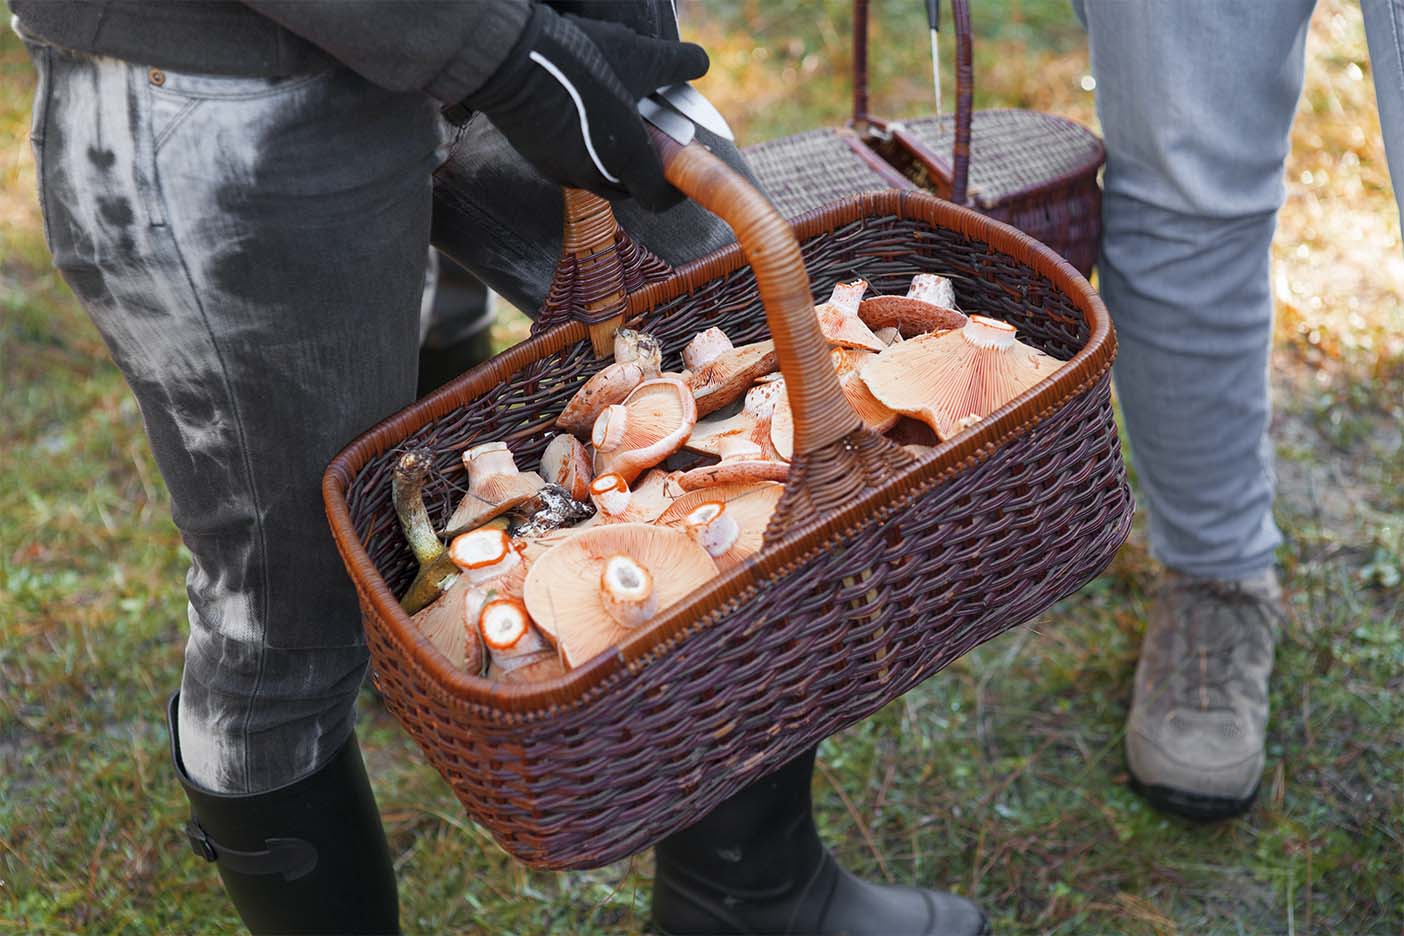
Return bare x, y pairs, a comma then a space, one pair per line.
1217, 620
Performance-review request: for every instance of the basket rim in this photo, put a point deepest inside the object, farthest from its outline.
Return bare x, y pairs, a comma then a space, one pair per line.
519, 703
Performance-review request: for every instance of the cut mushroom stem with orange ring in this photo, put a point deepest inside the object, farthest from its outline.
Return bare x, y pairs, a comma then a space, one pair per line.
651, 424
495, 486
746, 507
597, 587
952, 380
517, 652
489, 556
719, 373
839, 321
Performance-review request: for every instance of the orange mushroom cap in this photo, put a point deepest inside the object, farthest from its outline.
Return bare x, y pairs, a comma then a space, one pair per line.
742, 462
495, 486
592, 590
449, 624
946, 379
651, 424
749, 507
928, 306
839, 321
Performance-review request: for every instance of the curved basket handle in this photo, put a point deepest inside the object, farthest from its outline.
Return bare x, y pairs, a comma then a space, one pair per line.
965, 87
599, 266
822, 415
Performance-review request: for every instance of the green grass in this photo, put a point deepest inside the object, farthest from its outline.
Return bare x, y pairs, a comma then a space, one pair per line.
1002, 778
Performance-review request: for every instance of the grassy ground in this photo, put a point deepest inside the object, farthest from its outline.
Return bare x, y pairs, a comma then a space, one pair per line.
1002, 779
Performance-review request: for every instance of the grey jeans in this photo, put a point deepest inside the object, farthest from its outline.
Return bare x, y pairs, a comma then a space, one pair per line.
253, 253
1196, 99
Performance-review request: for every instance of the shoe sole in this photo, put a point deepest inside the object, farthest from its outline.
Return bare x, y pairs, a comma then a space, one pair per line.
1195, 806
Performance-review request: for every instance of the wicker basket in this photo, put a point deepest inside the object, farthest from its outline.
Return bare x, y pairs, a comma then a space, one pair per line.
878, 570
1035, 171
819, 167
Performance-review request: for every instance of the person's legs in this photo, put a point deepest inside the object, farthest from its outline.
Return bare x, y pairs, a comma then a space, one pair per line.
1384, 32
252, 252
755, 864
1196, 101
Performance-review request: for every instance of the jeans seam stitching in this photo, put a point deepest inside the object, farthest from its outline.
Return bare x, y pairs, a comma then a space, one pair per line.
175, 123
253, 488
247, 95
1398, 43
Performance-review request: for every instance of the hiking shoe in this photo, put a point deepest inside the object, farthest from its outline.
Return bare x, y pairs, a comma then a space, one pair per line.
1194, 739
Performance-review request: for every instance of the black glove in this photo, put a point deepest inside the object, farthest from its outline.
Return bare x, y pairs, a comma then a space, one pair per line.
567, 98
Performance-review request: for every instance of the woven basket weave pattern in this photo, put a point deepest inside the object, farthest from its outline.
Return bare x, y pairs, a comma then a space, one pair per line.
809, 170
971, 558
955, 560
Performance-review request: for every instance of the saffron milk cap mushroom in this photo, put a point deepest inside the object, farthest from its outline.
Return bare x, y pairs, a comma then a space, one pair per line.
495, 486
742, 462
449, 623
928, 306
591, 591
747, 509
637, 357
876, 415
839, 321
956, 376
651, 424
489, 556
615, 502
752, 423
719, 372
516, 651
566, 462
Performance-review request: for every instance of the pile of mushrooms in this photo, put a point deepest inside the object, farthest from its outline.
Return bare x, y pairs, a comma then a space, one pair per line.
659, 481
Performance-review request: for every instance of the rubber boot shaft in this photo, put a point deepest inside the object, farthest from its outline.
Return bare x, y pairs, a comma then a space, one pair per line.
313, 853
755, 865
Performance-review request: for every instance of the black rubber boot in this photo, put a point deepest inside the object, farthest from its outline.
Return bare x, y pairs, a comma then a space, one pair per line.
309, 857
755, 866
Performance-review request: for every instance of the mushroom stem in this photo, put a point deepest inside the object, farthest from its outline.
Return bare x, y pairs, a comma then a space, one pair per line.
484, 555
985, 332
626, 591
609, 428
436, 573
611, 494
713, 528
407, 491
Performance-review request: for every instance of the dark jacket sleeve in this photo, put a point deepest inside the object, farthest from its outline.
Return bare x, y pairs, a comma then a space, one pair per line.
446, 48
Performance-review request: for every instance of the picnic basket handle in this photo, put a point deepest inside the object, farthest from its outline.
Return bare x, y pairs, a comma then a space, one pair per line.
822, 415
965, 87
825, 475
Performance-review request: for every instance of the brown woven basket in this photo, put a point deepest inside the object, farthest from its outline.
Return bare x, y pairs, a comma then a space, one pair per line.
1035, 171
878, 570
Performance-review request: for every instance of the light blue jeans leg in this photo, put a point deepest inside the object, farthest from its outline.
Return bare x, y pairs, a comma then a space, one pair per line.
1384, 31
1196, 99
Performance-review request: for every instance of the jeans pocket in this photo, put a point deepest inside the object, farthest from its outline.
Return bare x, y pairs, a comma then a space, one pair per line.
176, 95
